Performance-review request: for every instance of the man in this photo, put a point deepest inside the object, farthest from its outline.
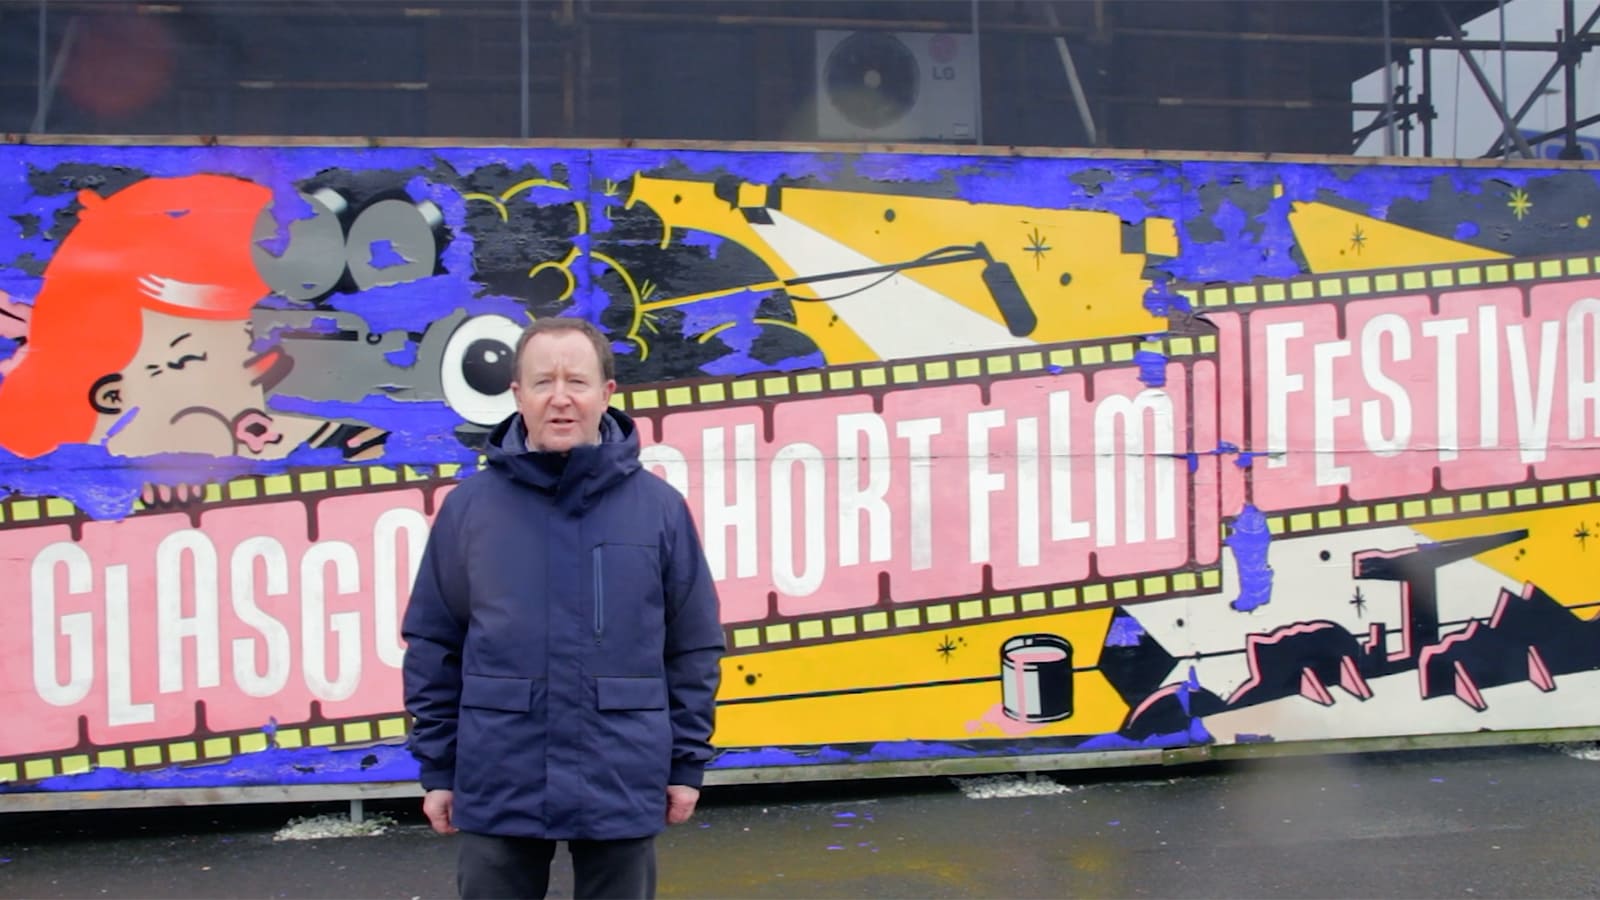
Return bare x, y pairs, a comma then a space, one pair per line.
563, 641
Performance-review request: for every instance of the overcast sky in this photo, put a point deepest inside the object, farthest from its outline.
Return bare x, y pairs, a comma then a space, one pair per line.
1467, 126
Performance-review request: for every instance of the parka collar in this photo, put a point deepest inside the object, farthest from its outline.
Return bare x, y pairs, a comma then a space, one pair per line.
573, 478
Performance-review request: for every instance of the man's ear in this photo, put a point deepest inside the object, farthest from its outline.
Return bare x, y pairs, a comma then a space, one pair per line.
106, 394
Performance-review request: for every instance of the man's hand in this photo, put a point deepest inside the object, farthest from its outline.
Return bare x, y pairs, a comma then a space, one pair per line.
439, 806
681, 800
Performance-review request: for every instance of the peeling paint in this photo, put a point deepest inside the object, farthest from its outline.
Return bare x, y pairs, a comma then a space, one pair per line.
1162, 301
1242, 459
711, 242
421, 431
1125, 632
383, 255
757, 168
402, 307
1248, 540
272, 766
1152, 367
405, 357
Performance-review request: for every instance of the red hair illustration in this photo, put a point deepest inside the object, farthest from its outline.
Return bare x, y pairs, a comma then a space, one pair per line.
179, 246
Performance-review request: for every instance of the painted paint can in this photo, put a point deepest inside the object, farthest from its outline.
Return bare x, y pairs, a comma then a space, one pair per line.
1036, 677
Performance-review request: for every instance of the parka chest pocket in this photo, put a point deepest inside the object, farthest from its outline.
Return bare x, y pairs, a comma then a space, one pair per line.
627, 588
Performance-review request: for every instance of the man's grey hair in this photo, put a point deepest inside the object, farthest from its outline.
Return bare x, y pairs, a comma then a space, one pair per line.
558, 324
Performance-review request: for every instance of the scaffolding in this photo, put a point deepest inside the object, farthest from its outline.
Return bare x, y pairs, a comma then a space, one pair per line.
1086, 36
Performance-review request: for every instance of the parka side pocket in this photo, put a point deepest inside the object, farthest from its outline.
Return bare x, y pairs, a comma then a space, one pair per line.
618, 692
508, 694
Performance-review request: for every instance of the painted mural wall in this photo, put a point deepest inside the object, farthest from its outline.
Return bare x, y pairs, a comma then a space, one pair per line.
991, 455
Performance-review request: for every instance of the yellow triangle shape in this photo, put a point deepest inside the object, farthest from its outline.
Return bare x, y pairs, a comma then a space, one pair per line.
1336, 240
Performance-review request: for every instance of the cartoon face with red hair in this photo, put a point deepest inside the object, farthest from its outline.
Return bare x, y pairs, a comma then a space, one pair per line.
140, 335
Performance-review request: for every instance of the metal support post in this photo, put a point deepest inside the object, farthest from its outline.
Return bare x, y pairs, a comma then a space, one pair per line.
977, 61
1388, 84
1406, 124
523, 73
585, 72
44, 65
1570, 55
1101, 59
1425, 102
569, 70
1505, 91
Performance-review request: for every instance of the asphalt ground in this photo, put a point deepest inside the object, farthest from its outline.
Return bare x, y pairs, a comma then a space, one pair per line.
1510, 822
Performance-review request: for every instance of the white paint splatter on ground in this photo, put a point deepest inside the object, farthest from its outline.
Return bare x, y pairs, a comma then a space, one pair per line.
1589, 752
1001, 786
314, 828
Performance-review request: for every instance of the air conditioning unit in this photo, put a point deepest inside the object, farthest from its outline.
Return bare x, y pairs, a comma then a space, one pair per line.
897, 86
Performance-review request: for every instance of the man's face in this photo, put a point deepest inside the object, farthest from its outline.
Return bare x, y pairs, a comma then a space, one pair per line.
561, 392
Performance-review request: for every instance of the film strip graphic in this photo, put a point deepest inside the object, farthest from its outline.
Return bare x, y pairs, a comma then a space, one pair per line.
1435, 507
881, 619
1345, 286
652, 401
196, 750
18, 511
23, 511
1336, 290
645, 401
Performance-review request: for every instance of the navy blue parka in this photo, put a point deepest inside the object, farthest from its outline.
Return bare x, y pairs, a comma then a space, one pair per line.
563, 643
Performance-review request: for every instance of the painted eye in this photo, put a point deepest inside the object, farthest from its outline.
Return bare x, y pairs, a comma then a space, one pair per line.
477, 368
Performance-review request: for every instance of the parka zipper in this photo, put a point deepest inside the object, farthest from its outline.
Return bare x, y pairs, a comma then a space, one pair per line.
599, 595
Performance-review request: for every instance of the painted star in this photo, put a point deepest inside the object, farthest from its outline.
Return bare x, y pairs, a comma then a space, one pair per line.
1359, 601
1582, 535
1358, 241
1036, 246
947, 649
1519, 203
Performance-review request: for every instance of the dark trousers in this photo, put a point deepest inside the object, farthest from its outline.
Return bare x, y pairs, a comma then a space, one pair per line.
503, 868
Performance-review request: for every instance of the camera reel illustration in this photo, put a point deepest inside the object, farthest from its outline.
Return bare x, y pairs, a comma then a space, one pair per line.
334, 246
329, 245
334, 357
474, 354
